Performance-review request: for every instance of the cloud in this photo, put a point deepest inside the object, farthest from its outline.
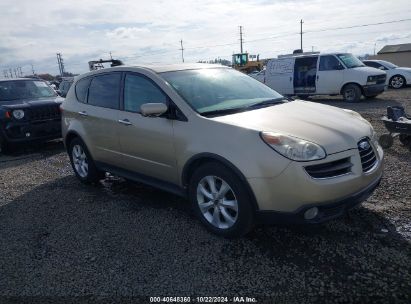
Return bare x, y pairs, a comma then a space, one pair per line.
144, 32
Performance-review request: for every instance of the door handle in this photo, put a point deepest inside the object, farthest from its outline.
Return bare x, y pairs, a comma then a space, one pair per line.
318, 76
125, 122
83, 113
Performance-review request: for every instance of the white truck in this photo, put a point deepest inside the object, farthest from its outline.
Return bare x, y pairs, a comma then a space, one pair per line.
323, 74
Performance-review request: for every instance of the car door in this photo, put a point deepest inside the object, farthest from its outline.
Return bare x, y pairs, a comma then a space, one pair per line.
146, 143
330, 75
279, 75
99, 117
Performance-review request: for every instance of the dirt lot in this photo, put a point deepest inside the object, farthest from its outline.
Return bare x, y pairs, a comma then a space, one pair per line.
59, 238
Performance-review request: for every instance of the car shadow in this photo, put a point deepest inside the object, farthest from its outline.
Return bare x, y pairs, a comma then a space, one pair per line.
64, 237
27, 153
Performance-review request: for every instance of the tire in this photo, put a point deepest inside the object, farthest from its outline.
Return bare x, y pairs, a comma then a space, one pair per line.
351, 93
386, 141
82, 162
229, 213
397, 82
405, 139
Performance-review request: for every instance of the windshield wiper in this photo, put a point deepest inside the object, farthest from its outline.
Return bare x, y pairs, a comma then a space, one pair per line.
222, 111
268, 102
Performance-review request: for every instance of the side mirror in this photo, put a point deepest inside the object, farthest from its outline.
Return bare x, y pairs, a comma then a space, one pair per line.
153, 109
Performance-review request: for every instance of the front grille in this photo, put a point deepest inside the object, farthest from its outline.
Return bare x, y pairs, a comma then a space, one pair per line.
367, 155
45, 112
331, 169
380, 79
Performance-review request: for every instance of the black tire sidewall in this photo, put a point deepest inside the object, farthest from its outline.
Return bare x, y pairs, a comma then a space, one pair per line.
245, 217
93, 175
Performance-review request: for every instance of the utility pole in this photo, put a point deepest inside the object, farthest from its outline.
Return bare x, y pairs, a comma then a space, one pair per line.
111, 57
182, 50
32, 69
241, 39
301, 34
60, 62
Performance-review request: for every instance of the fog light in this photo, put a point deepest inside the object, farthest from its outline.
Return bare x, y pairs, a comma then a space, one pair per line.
311, 213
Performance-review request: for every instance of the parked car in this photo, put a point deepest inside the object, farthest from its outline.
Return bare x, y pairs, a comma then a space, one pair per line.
397, 77
236, 148
324, 74
29, 111
64, 86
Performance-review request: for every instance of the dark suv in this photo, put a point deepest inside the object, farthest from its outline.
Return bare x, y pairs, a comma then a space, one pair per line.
64, 86
29, 111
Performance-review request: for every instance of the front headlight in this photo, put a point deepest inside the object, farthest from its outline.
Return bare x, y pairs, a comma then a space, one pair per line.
292, 147
18, 114
371, 80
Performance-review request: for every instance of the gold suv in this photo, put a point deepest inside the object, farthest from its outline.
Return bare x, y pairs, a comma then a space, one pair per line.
240, 152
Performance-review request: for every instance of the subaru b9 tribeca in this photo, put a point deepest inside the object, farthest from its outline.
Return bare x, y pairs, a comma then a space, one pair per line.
237, 149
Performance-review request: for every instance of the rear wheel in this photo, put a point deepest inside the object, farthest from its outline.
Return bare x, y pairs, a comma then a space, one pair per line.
82, 162
386, 141
397, 81
351, 93
220, 200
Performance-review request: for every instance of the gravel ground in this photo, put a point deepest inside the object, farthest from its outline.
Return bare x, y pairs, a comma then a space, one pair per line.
60, 239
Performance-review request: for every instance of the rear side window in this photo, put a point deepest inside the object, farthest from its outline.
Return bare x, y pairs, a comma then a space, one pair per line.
104, 91
329, 63
139, 90
81, 89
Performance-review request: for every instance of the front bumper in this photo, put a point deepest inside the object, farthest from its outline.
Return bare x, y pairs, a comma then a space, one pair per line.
289, 194
371, 90
327, 211
21, 132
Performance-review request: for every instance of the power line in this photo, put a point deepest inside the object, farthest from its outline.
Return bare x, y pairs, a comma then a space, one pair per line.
356, 26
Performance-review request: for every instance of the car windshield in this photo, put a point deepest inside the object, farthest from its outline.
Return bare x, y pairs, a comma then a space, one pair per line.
350, 61
388, 65
24, 89
220, 89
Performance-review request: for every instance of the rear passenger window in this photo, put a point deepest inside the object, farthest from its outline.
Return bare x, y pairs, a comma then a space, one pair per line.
81, 89
139, 90
329, 63
104, 91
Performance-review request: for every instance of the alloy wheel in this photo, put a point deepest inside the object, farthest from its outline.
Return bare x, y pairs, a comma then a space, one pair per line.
397, 82
217, 202
80, 161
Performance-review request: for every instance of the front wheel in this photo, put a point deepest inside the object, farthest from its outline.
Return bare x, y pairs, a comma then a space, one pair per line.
397, 82
82, 162
351, 93
220, 200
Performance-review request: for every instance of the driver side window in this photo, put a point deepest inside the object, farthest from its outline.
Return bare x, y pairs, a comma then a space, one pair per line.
139, 90
330, 63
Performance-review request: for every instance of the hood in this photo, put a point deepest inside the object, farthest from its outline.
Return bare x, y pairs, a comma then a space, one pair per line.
368, 70
31, 102
403, 69
333, 128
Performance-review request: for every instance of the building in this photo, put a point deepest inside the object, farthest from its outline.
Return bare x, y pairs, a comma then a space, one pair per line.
399, 54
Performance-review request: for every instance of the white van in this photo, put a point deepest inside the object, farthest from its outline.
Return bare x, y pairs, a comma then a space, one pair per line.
323, 74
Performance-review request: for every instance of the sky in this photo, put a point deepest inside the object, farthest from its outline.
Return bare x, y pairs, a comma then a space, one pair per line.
32, 32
